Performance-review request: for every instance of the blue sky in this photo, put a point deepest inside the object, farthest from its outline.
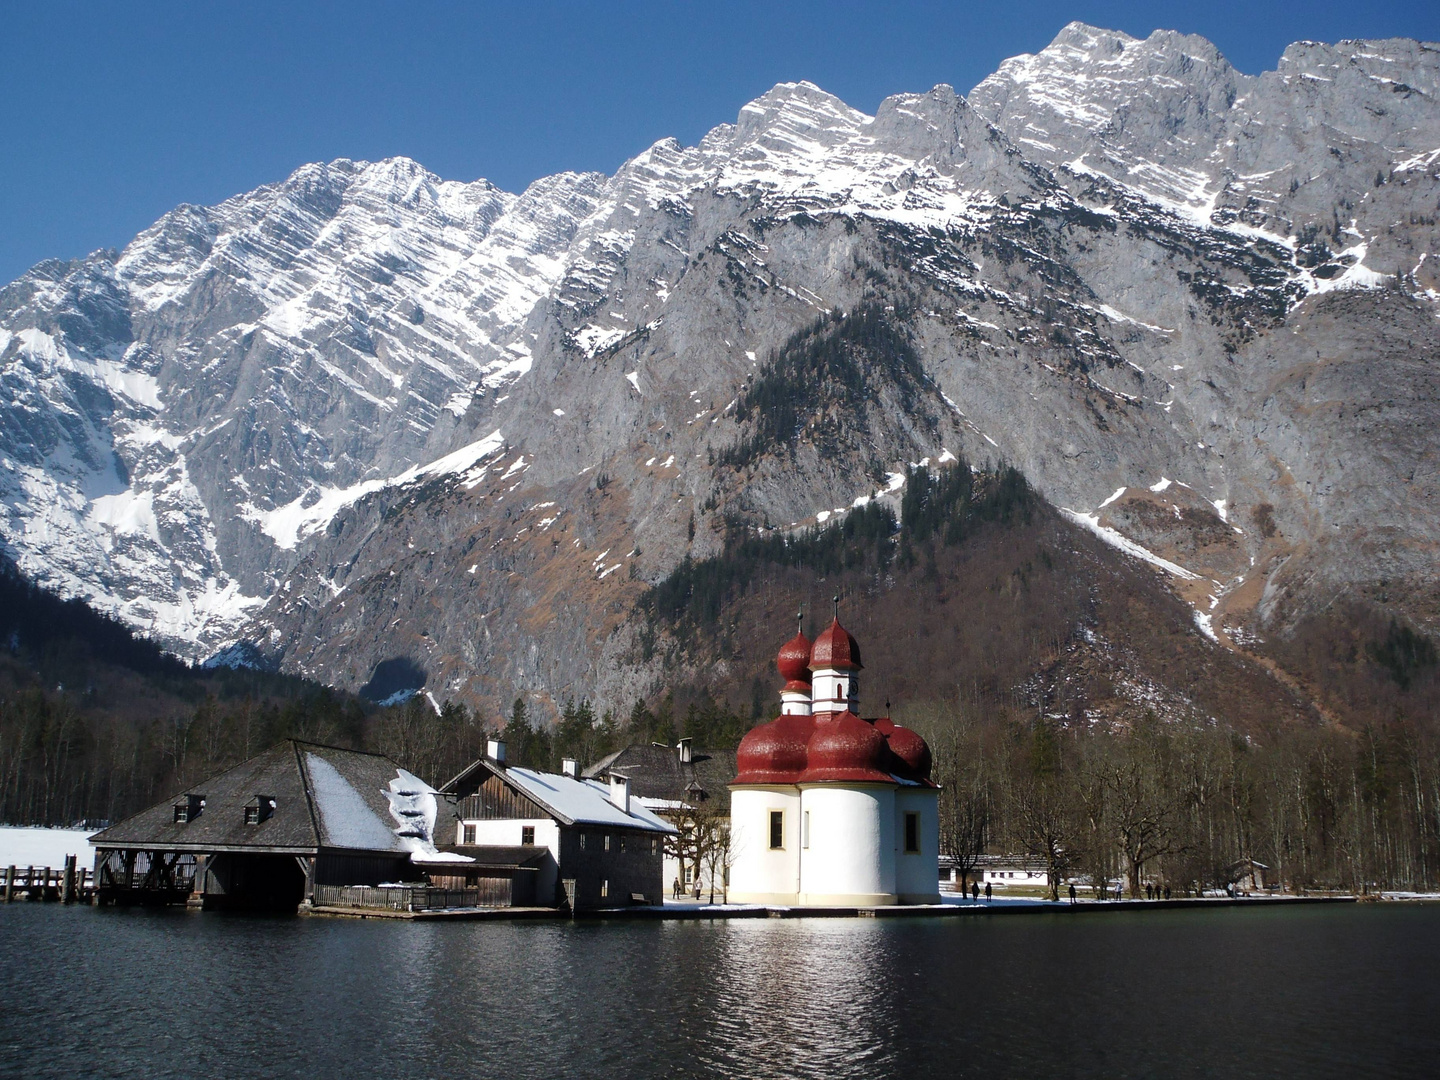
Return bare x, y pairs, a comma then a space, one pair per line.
114, 113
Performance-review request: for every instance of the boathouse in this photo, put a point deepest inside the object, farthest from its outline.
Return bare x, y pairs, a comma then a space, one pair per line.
591, 845
266, 833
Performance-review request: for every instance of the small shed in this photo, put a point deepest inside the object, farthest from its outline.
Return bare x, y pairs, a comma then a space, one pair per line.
1247, 875
264, 834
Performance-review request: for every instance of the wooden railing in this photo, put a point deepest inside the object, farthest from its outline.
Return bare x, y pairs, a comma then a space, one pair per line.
410, 897
69, 883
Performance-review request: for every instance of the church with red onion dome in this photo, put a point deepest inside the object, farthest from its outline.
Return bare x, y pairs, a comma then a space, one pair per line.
828, 808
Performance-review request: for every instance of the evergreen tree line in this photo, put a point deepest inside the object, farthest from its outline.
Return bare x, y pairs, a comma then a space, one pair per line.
821, 375
940, 506
62, 761
711, 724
1192, 808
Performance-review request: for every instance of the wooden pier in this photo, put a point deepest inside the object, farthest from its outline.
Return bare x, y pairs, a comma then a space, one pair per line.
70, 884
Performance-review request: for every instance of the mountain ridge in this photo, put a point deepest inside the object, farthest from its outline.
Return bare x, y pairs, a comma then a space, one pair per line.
248, 423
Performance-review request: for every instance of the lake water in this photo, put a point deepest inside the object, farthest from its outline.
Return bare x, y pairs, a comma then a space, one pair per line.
1345, 991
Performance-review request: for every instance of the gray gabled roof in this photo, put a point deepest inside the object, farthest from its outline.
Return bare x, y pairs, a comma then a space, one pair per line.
325, 797
656, 772
569, 800
583, 802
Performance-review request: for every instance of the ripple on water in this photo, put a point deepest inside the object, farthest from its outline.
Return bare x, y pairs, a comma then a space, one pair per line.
1314, 992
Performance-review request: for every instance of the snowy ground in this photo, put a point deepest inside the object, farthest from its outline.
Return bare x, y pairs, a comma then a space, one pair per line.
44, 847
946, 900
957, 900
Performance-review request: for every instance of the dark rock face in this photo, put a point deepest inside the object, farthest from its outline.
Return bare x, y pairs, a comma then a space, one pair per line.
365, 413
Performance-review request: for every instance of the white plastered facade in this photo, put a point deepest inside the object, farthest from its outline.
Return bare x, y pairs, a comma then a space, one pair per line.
761, 874
842, 844
848, 852
509, 832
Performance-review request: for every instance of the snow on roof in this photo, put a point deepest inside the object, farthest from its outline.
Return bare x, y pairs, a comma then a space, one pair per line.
583, 801
661, 804
345, 818
413, 805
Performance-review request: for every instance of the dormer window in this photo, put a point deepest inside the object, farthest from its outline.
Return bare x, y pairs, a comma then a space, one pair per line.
189, 808
259, 809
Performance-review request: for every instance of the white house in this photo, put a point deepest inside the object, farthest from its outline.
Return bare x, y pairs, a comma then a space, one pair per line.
828, 809
1008, 871
563, 838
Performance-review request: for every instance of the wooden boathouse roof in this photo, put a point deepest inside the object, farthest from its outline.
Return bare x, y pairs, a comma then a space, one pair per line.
324, 797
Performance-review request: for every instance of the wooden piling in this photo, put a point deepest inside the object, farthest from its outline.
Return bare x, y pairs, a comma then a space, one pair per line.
67, 883
9, 883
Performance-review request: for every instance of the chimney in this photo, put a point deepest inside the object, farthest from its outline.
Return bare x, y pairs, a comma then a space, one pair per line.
620, 792
685, 752
570, 767
495, 751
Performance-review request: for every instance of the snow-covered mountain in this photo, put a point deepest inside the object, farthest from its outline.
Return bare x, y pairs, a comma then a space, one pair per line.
169, 409
366, 414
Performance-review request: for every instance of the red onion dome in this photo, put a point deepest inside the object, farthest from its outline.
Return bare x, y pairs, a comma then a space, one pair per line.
835, 648
844, 747
774, 753
911, 750
794, 661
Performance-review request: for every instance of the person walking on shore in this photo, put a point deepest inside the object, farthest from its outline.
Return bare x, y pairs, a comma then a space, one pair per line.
675, 889
987, 892
1072, 892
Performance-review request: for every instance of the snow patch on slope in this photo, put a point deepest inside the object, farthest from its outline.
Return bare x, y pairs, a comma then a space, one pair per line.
1125, 544
287, 525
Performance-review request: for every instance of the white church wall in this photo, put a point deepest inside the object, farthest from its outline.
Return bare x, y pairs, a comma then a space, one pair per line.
851, 853
917, 873
761, 874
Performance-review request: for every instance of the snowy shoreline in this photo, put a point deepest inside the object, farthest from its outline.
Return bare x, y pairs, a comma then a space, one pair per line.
35, 845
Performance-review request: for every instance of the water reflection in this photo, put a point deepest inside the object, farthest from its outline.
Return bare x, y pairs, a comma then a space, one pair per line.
790, 999
1337, 992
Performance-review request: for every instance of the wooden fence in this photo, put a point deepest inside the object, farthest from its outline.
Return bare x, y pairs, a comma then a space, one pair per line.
490, 893
67, 884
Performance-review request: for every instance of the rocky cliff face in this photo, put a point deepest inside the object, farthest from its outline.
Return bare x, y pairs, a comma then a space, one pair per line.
170, 411
367, 414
